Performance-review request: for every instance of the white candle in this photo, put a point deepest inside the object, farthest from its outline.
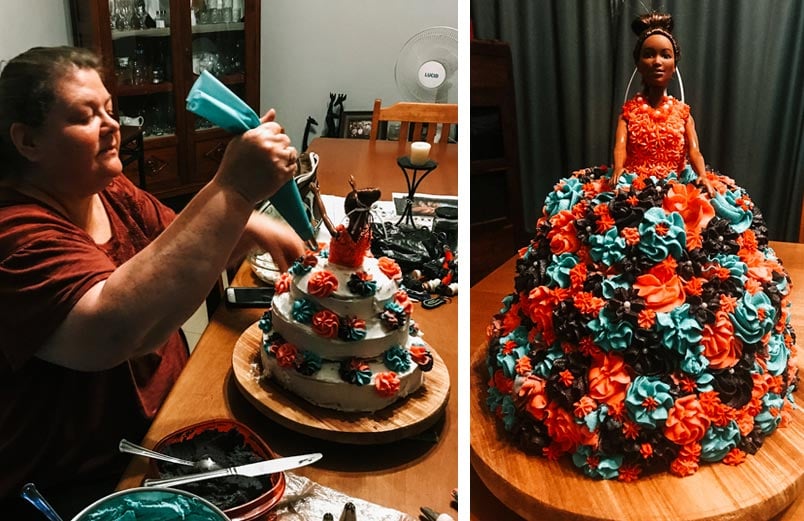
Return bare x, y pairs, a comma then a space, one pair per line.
419, 152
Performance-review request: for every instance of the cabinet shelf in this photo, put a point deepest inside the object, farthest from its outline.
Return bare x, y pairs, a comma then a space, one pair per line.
218, 28
144, 89
145, 33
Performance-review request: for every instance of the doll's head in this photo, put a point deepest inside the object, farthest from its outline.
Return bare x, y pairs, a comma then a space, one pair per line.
651, 24
656, 53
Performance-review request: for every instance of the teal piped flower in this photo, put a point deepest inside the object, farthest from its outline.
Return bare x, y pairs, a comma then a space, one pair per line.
544, 367
648, 400
737, 269
559, 269
310, 363
564, 196
298, 268
507, 301
597, 465
394, 307
610, 333
753, 318
303, 311
507, 360
778, 354
355, 372
694, 362
769, 418
494, 399
679, 329
718, 441
662, 234
266, 323
704, 383
352, 329
727, 207
687, 175
508, 413
596, 417
611, 283
397, 359
608, 248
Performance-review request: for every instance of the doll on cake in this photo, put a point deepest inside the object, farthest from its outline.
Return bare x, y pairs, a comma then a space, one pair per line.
649, 327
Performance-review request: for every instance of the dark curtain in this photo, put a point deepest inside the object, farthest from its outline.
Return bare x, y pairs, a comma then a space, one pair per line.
742, 65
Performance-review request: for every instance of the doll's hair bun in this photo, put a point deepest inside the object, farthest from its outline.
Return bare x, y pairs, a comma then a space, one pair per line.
649, 21
650, 24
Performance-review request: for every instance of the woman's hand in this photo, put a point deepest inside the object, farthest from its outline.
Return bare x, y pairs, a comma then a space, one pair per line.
258, 162
272, 236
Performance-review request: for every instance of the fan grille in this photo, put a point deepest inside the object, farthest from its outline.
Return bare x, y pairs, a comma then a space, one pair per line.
427, 65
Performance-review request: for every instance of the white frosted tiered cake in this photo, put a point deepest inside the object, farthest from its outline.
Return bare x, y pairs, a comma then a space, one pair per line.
339, 332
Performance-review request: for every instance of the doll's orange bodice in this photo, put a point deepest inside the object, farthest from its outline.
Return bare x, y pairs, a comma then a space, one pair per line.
656, 142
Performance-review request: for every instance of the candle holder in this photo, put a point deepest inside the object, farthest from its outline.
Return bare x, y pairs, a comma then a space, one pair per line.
413, 182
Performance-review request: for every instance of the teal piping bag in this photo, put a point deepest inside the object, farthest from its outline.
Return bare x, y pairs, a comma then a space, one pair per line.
211, 99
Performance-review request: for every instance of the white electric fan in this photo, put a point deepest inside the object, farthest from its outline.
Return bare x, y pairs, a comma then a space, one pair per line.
427, 66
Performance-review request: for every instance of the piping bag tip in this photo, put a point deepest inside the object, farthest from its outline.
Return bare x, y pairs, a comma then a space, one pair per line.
214, 101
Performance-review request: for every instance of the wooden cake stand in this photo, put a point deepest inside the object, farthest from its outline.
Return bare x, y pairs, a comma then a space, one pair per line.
536, 488
410, 416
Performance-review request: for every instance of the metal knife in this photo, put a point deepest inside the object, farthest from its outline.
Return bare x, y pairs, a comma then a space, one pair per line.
252, 469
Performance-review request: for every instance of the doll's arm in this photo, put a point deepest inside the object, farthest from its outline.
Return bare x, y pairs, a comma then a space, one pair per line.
693, 150
620, 138
710, 183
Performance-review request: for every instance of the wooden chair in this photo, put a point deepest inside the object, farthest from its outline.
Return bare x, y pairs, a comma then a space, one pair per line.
425, 117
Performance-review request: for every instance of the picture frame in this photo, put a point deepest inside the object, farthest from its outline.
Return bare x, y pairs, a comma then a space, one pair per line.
356, 124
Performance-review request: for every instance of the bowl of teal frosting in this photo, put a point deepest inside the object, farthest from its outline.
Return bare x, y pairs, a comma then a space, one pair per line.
151, 504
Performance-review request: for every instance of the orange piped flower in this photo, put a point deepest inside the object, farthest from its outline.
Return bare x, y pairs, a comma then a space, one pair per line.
686, 422
322, 284
286, 354
629, 473
534, 390
691, 204
588, 304
734, 457
325, 324
282, 285
631, 236
721, 347
386, 384
583, 406
661, 288
523, 366
390, 268
608, 379
646, 318
567, 434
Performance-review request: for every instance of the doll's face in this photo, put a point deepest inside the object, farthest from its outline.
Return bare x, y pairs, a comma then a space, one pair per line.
657, 61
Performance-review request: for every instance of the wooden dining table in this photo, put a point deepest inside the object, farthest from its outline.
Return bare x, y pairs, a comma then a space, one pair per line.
485, 298
403, 475
374, 164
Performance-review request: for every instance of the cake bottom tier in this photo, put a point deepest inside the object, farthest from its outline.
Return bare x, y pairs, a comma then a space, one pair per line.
327, 389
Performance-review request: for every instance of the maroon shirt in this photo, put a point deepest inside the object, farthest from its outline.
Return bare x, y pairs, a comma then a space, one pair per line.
58, 425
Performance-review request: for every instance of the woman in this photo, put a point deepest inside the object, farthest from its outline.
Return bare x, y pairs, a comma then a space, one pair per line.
649, 330
96, 276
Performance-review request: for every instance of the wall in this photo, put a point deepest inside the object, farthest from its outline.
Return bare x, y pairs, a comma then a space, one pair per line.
313, 47
28, 23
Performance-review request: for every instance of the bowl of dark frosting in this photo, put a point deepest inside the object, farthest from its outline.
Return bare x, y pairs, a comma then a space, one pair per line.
228, 443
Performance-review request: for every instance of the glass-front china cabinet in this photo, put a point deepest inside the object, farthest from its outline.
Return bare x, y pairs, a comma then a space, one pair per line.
153, 51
